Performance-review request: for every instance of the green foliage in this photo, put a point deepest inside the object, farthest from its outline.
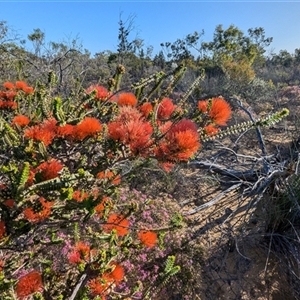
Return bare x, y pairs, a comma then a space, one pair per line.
23, 176
244, 126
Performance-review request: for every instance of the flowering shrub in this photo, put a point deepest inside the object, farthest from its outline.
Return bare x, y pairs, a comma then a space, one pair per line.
68, 228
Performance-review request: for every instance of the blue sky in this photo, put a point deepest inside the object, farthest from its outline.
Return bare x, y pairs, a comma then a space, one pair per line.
95, 23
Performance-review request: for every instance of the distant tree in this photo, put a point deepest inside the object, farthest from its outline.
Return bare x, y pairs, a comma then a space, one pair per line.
183, 49
283, 58
126, 46
37, 37
235, 53
159, 60
297, 55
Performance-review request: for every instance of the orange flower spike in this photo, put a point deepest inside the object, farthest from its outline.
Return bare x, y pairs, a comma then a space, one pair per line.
183, 125
38, 216
101, 92
8, 104
84, 249
203, 106
49, 169
146, 109
74, 257
130, 128
9, 203
29, 284
99, 286
65, 130
117, 222
10, 96
128, 99
148, 238
167, 166
80, 196
44, 132
2, 264
20, 120
99, 209
118, 273
2, 229
210, 129
187, 143
81, 252
110, 176
8, 85
87, 127
21, 85
180, 143
28, 90
165, 109
220, 111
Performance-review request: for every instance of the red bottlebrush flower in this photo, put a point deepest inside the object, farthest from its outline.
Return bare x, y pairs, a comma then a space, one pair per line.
139, 136
109, 175
148, 238
83, 248
65, 130
165, 109
49, 169
99, 209
39, 213
117, 222
8, 104
210, 129
80, 253
166, 166
100, 286
203, 106
127, 99
180, 142
220, 111
49, 124
28, 90
165, 127
9, 203
87, 127
80, 196
21, 85
8, 95
101, 92
128, 113
146, 109
117, 273
134, 133
2, 263
29, 284
44, 132
39, 134
187, 143
130, 128
2, 229
21, 120
8, 85
74, 257
184, 125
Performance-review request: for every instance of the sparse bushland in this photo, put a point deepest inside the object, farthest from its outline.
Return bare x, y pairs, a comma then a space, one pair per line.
97, 199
